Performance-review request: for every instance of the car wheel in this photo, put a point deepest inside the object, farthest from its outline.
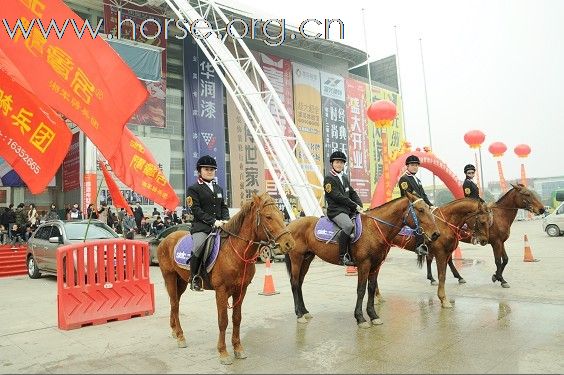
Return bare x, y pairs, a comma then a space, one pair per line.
553, 231
265, 253
32, 269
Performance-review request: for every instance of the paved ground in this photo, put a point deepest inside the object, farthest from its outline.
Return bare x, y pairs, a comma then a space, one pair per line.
489, 329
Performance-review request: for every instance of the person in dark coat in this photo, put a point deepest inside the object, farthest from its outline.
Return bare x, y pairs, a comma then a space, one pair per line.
468, 186
206, 201
409, 182
342, 203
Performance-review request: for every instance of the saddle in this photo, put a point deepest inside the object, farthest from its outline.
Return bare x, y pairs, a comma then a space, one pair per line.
183, 252
326, 230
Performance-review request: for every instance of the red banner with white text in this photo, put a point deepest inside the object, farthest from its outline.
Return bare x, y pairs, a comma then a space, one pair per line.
134, 165
81, 77
34, 139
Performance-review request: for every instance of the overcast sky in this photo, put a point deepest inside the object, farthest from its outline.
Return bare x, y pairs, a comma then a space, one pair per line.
495, 65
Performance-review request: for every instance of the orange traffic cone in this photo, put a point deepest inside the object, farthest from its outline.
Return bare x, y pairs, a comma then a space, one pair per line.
457, 253
351, 271
528, 255
268, 288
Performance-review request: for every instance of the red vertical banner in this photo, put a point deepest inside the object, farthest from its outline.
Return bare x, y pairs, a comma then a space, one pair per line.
147, 24
71, 165
359, 162
89, 190
117, 199
34, 139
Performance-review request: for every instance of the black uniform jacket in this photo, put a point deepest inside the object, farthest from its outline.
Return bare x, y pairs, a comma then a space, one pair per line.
411, 183
340, 197
206, 206
471, 189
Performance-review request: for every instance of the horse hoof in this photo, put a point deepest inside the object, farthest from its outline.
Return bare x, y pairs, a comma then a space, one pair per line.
434, 282
377, 322
241, 355
505, 285
173, 334
308, 316
226, 360
182, 343
494, 278
446, 305
461, 281
364, 325
302, 320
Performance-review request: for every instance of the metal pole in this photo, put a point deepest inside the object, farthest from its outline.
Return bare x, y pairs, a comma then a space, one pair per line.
366, 50
399, 80
482, 170
428, 119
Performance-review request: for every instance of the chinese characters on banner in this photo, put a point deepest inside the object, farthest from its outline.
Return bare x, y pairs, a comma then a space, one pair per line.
203, 111
153, 112
358, 160
71, 165
335, 137
279, 73
134, 165
83, 78
307, 111
34, 138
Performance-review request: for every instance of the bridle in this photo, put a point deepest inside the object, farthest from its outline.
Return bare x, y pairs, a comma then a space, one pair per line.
271, 239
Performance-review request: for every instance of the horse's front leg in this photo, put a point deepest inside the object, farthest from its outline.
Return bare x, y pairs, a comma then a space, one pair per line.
221, 298
363, 270
455, 271
441, 261
372, 285
429, 271
501, 261
235, 337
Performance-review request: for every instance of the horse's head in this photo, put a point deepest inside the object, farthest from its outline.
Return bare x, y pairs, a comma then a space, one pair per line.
420, 217
527, 199
480, 222
269, 224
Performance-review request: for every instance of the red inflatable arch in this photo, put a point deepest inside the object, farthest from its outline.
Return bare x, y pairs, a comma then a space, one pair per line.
428, 161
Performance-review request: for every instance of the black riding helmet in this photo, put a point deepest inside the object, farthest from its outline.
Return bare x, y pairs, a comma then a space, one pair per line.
469, 167
412, 159
206, 161
338, 155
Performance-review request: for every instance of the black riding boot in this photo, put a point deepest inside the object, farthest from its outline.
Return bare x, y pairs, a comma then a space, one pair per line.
344, 256
197, 283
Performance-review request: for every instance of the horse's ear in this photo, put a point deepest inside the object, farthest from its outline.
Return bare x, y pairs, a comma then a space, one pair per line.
256, 199
410, 196
514, 186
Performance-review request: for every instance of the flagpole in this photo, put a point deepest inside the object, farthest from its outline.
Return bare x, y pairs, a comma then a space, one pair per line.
399, 81
366, 50
428, 118
90, 216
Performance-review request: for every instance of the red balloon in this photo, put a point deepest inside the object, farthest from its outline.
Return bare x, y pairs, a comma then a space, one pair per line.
497, 148
382, 111
474, 138
522, 150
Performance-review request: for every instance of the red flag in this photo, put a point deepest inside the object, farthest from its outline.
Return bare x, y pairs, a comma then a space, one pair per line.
134, 165
33, 138
118, 199
81, 77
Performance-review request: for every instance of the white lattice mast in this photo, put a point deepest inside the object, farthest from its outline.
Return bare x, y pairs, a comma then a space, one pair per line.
243, 79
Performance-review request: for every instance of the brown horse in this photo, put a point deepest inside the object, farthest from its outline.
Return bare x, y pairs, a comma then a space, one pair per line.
379, 226
259, 222
450, 218
504, 213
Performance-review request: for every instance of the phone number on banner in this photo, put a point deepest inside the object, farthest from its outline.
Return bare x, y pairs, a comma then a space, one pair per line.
21, 152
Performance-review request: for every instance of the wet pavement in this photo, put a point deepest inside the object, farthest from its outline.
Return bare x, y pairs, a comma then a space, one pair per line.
488, 330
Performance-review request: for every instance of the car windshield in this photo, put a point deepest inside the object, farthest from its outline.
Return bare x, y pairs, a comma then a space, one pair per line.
96, 231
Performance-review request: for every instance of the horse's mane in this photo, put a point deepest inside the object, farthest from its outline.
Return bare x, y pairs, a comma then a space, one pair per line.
387, 203
235, 223
446, 205
506, 194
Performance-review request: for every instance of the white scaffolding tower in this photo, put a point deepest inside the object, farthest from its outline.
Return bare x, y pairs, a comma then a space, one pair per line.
256, 100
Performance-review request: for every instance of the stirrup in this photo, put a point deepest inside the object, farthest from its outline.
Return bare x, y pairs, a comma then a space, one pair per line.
195, 285
346, 260
422, 250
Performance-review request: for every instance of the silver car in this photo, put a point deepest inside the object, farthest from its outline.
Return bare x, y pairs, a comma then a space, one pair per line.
49, 236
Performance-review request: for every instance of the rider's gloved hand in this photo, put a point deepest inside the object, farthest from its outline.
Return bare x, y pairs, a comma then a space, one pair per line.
218, 223
359, 209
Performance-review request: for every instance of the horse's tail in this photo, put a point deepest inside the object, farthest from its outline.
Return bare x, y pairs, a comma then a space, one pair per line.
420, 259
288, 262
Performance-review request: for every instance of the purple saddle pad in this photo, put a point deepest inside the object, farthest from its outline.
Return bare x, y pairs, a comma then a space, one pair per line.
406, 231
183, 251
325, 229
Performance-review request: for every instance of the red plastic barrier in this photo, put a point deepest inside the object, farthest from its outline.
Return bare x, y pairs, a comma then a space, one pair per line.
106, 280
